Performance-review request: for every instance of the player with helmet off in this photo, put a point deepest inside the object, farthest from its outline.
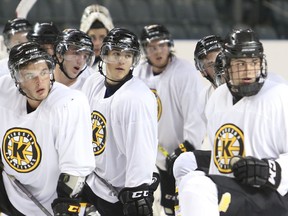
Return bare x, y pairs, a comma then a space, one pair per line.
46, 138
124, 124
176, 86
247, 124
74, 57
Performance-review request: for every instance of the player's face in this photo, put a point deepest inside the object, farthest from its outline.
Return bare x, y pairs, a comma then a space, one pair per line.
158, 52
75, 61
244, 70
97, 36
34, 80
208, 64
118, 64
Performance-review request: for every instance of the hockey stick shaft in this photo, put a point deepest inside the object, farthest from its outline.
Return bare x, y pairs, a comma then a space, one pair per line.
111, 187
24, 7
26, 191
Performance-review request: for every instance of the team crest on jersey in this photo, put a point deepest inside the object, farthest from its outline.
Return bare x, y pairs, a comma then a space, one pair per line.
229, 142
98, 132
21, 150
159, 104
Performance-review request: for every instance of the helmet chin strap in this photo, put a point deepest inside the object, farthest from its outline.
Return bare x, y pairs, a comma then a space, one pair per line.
66, 74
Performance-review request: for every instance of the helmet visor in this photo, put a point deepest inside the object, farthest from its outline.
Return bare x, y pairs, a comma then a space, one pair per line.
157, 46
76, 53
114, 55
42, 69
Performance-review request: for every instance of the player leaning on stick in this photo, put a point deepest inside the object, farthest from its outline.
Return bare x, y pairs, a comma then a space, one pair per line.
46, 137
247, 128
124, 122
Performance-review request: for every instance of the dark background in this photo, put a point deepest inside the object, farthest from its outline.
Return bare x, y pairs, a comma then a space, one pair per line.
186, 19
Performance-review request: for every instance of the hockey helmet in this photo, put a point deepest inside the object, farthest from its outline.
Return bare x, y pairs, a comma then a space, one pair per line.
21, 54
155, 32
122, 40
17, 25
244, 43
44, 33
77, 39
205, 45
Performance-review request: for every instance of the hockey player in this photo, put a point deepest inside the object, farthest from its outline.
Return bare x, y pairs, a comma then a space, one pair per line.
124, 124
205, 53
14, 32
46, 137
96, 22
176, 86
248, 171
45, 34
74, 56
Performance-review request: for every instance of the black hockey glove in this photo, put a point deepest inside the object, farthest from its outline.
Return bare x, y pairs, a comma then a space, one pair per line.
183, 147
66, 207
136, 201
257, 172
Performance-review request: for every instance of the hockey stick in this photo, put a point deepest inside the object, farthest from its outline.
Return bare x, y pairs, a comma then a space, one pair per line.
24, 7
110, 186
25, 190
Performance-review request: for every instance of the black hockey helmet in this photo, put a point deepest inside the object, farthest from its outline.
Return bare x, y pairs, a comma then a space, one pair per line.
244, 43
122, 40
24, 53
205, 45
76, 38
44, 33
155, 32
14, 26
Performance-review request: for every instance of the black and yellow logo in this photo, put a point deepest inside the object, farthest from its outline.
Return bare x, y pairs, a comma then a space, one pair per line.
21, 150
98, 132
229, 142
159, 104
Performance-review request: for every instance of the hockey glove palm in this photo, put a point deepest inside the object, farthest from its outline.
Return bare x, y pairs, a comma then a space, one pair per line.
136, 201
183, 147
257, 172
66, 207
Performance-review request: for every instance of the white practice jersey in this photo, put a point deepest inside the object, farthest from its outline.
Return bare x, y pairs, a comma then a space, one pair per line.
177, 90
203, 100
4, 66
254, 126
37, 147
82, 77
124, 135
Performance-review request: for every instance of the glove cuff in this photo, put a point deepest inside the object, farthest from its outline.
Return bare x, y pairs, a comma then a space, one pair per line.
184, 147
